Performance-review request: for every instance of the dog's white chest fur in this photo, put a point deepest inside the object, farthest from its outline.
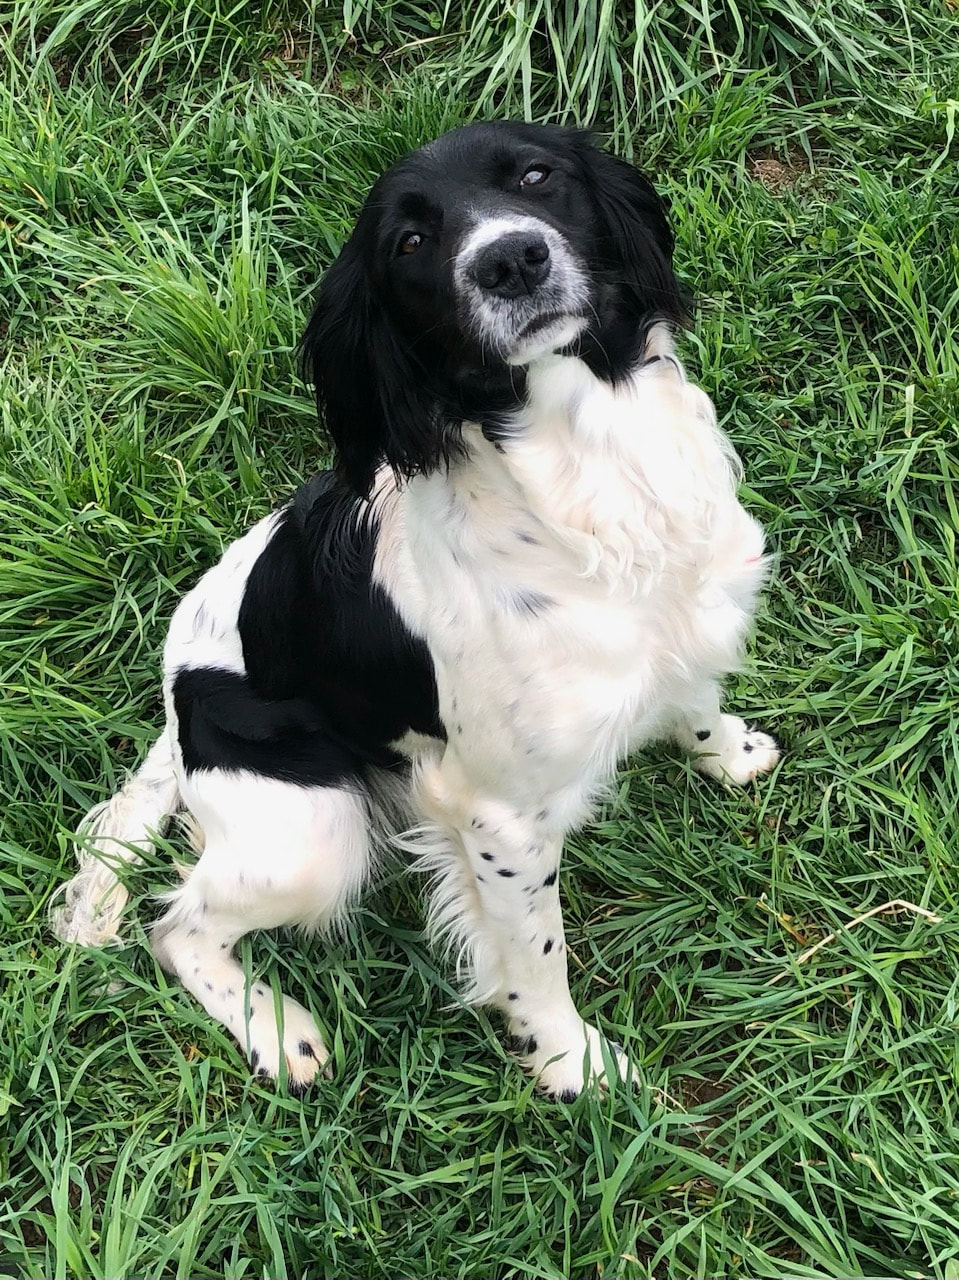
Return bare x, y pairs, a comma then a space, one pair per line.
572, 581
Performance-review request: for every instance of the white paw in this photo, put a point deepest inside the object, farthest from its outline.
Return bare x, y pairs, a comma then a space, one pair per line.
302, 1045
741, 755
566, 1060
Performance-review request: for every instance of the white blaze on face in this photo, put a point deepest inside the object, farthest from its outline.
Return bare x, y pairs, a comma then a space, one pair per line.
519, 329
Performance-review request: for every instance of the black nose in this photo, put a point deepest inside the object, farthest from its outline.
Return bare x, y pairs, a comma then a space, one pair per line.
514, 264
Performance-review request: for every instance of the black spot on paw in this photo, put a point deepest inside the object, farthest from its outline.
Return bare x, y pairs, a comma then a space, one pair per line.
548, 946
550, 879
505, 872
255, 1059
306, 1050
702, 734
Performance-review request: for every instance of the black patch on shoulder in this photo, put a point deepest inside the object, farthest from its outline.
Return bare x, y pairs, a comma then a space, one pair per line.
314, 624
333, 675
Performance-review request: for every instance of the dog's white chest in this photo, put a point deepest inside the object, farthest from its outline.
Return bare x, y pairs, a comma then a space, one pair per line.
571, 585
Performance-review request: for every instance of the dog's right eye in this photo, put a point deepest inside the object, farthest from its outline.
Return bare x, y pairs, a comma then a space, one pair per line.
410, 243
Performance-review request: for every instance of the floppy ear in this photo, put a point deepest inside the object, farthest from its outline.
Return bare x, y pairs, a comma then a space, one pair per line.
636, 236
370, 389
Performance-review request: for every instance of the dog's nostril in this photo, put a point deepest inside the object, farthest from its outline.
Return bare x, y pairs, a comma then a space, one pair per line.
514, 264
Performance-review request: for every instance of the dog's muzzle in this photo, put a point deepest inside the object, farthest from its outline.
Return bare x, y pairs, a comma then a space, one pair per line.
521, 292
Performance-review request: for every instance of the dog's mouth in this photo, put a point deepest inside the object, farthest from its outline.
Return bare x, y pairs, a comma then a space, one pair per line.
549, 331
544, 321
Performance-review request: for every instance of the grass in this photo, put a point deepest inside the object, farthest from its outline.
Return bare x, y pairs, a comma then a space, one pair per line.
172, 181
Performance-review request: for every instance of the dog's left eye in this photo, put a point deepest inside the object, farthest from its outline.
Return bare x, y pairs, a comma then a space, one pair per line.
410, 243
536, 174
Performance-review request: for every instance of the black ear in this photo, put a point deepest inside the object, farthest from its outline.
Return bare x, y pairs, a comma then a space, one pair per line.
370, 388
636, 237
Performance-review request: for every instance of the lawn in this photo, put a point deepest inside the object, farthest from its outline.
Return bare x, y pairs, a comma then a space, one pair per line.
173, 179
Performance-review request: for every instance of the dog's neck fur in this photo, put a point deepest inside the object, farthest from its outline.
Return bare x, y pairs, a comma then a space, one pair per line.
632, 479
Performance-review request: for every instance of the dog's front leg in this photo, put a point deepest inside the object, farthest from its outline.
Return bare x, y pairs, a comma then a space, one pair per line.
498, 894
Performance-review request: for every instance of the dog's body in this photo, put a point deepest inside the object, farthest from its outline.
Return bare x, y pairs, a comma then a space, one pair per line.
530, 561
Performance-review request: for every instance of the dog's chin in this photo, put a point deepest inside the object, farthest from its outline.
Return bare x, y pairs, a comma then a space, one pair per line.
544, 335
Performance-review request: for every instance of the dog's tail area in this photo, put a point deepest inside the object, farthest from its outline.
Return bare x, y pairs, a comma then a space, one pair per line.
113, 835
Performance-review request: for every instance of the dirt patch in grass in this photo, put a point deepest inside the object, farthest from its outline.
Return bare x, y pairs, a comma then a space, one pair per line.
777, 175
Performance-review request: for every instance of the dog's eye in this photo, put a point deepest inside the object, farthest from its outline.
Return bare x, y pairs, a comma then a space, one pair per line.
535, 174
410, 243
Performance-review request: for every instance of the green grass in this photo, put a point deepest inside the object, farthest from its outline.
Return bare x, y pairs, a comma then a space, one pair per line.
173, 178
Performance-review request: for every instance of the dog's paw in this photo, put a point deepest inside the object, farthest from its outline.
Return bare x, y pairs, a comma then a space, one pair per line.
301, 1045
737, 754
568, 1059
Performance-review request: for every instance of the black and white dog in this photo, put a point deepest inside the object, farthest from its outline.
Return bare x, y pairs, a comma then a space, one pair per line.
528, 561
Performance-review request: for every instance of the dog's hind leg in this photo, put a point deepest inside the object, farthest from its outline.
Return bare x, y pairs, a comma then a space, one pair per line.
112, 835
274, 854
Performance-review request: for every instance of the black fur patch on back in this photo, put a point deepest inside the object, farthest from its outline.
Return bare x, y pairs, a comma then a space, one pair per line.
223, 724
332, 673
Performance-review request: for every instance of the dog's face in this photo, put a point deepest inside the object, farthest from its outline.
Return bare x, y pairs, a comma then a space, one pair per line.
486, 237
473, 257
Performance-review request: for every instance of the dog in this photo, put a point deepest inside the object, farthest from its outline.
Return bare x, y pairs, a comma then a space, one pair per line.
527, 561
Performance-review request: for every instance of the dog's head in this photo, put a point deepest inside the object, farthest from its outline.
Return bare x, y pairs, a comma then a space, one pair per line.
471, 258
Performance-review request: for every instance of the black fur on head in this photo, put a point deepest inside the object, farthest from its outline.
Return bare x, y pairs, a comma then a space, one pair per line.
479, 253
